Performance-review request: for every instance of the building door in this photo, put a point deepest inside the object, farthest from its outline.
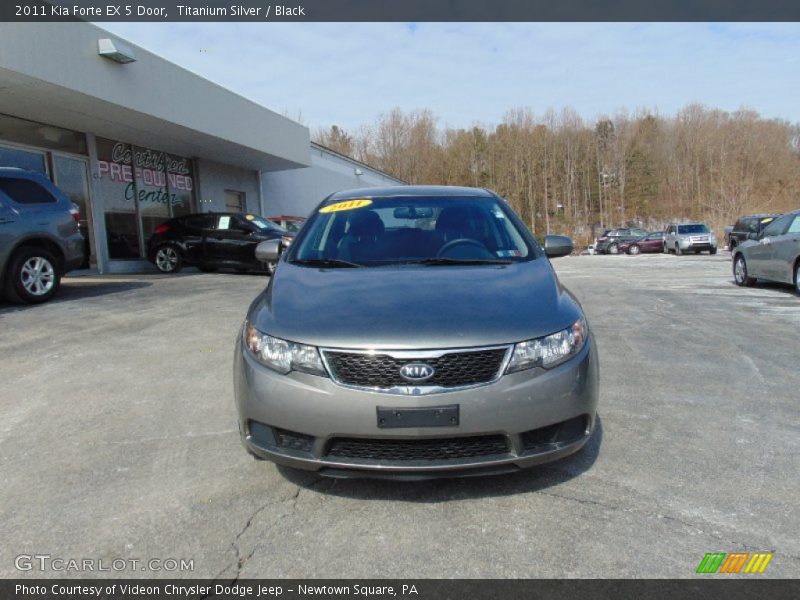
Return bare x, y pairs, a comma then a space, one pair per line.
71, 175
235, 201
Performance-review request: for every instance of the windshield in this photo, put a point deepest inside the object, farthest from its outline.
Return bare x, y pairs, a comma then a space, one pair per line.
432, 230
692, 229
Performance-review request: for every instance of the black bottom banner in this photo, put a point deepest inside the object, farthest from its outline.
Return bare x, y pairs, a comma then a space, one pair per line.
387, 589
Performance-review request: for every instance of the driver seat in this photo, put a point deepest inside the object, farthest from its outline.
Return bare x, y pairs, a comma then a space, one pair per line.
454, 222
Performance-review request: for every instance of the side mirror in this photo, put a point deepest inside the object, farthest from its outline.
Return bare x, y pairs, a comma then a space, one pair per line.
557, 245
268, 251
752, 235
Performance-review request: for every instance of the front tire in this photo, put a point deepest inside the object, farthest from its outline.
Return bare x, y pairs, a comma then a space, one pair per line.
168, 259
634, 250
713, 251
740, 275
797, 278
34, 276
613, 248
678, 251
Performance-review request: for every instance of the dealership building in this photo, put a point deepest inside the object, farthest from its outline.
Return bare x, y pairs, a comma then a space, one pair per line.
134, 139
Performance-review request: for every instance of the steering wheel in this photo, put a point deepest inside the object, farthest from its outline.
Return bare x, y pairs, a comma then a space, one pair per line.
466, 244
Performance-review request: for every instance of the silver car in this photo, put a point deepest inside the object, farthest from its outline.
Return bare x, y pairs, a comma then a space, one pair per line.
773, 254
681, 238
415, 332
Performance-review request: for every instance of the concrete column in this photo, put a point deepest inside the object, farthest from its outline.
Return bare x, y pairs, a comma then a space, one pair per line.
98, 217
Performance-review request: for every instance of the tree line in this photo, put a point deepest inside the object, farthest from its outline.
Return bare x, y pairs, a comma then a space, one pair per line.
564, 174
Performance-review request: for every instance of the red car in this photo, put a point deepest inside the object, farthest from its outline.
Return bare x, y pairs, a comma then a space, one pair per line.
652, 242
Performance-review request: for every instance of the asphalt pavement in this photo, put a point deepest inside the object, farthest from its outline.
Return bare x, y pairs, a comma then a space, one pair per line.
118, 441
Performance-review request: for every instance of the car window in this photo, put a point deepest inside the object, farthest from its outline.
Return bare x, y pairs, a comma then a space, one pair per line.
25, 191
795, 226
760, 224
196, 223
778, 226
223, 222
397, 230
264, 224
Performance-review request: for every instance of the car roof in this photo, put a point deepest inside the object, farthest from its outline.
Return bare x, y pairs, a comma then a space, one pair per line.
441, 191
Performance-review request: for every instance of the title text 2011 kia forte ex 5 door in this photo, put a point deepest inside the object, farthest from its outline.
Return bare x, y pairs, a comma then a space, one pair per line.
415, 332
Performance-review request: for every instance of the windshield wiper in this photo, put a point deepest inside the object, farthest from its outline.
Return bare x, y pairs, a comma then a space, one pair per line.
333, 263
461, 261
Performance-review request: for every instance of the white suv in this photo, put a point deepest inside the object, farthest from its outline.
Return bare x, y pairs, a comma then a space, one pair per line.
689, 237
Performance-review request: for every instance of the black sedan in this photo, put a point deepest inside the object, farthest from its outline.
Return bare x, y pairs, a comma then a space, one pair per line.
211, 241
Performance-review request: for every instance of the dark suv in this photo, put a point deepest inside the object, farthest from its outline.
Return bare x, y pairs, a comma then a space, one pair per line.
211, 241
39, 236
747, 225
612, 239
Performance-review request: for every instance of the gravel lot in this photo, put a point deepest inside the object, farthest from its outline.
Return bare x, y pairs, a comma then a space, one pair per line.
118, 440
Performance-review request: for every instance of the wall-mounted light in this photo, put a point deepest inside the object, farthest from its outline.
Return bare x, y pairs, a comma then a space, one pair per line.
116, 51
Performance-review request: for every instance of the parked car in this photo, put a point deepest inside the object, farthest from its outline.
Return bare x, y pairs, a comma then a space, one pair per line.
773, 254
290, 224
689, 237
39, 236
652, 242
384, 348
609, 242
745, 226
211, 241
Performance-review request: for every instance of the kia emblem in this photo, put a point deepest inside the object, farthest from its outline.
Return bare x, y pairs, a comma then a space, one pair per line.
416, 372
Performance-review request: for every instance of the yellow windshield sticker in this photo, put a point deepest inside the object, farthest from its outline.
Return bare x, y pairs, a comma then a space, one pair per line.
767, 220
346, 205
249, 217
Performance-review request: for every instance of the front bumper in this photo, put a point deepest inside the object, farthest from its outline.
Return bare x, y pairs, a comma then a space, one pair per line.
696, 245
303, 421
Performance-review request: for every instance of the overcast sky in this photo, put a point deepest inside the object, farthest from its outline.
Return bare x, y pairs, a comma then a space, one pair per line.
348, 74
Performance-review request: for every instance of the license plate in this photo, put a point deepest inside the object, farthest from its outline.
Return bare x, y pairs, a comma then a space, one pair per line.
431, 416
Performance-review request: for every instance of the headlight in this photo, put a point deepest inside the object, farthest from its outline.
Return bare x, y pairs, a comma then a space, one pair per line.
280, 355
550, 350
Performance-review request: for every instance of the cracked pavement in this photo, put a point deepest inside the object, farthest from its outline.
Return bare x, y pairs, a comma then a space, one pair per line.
118, 440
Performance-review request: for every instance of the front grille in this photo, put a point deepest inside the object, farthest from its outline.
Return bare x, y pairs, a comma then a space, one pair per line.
455, 369
418, 450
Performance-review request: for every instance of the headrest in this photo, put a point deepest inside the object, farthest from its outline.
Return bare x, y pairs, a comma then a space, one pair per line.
366, 223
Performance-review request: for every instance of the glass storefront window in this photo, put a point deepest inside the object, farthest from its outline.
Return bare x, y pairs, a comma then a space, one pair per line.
151, 189
141, 189
22, 131
23, 159
71, 176
117, 196
180, 179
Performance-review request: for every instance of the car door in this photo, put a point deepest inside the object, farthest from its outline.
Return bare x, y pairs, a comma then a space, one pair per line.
192, 232
760, 256
784, 251
669, 237
229, 241
7, 218
653, 242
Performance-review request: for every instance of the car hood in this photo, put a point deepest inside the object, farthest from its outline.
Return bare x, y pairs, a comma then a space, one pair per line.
410, 307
